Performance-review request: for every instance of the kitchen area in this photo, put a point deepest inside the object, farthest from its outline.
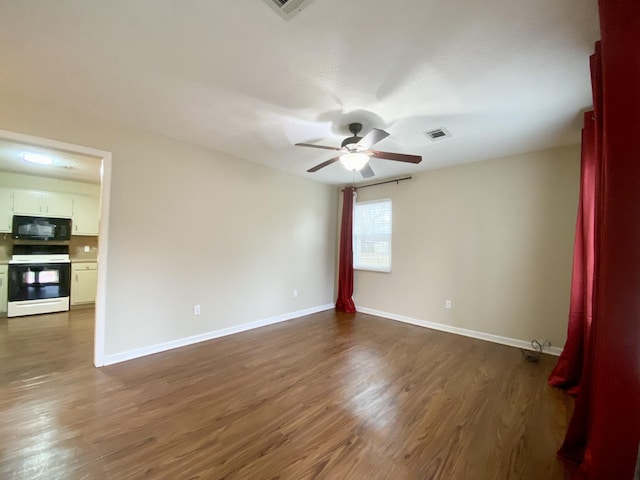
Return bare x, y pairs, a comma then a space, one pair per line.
49, 226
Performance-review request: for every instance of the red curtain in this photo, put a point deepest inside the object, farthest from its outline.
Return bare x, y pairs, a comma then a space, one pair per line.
344, 303
567, 372
604, 431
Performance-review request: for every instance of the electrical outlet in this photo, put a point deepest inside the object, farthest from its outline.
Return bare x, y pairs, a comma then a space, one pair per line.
87, 248
447, 304
196, 309
295, 293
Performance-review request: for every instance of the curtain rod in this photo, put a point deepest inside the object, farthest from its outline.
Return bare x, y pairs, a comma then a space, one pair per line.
382, 183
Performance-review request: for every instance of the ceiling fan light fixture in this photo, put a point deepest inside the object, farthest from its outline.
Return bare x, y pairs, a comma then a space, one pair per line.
354, 161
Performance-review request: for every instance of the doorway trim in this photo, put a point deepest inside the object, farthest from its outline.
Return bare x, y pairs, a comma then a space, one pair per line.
103, 237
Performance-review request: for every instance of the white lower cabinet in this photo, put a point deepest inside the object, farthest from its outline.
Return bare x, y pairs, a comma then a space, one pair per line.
4, 280
84, 283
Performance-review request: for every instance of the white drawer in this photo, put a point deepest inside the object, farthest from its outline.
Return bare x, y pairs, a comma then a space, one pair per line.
83, 266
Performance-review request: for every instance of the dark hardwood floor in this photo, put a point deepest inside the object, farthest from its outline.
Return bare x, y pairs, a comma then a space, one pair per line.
321, 397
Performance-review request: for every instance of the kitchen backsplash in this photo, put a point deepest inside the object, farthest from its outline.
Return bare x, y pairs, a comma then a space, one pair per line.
77, 244
76, 247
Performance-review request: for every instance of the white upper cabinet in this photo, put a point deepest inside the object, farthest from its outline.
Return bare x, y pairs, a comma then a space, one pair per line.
58, 205
84, 210
6, 212
27, 203
42, 204
86, 215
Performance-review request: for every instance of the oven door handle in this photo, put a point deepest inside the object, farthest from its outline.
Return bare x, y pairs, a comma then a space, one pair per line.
46, 303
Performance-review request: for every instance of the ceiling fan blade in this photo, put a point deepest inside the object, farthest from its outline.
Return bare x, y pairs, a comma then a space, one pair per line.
399, 157
323, 164
373, 137
316, 146
367, 171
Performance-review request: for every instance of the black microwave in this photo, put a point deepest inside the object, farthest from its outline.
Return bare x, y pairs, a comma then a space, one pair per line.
41, 228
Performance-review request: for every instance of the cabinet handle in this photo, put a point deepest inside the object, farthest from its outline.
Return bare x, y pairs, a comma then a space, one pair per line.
76, 277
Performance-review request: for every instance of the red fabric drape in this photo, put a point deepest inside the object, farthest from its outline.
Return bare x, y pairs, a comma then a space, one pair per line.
344, 303
604, 431
567, 372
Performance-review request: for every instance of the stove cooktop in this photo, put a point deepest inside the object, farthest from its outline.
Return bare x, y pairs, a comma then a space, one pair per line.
40, 254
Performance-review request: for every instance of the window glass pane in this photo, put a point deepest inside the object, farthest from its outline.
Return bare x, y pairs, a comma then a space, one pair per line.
49, 276
372, 235
28, 277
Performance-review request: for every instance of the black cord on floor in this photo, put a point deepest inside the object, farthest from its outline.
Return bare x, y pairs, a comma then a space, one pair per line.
533, 356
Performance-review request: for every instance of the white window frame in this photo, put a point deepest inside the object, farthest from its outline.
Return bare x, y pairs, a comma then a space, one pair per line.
356, 265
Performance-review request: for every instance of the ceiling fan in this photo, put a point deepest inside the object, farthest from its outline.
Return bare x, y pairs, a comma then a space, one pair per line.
356, 151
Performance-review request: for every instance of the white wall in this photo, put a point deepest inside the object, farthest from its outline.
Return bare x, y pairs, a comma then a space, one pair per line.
188, 226
495, 237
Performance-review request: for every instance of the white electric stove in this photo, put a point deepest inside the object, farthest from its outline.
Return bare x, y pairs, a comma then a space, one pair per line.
39, 279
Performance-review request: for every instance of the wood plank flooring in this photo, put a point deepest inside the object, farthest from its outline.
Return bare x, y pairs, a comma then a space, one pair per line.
321, 397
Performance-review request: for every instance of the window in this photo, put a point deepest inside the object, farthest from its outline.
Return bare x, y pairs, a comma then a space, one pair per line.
372, 235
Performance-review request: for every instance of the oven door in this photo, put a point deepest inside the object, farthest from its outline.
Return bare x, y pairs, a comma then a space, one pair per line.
38, 281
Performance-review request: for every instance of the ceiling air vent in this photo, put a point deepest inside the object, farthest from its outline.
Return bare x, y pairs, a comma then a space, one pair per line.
287, 8
437, 134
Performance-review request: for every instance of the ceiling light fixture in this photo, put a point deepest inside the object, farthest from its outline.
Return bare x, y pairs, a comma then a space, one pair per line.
37, 158
354, 161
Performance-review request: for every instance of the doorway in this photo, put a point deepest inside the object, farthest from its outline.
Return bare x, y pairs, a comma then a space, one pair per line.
69, 163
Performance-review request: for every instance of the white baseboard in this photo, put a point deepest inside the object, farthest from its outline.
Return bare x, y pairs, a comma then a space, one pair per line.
512, 342
183, 342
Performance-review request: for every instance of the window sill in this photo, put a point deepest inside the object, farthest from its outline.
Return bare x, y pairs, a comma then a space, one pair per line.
375, 270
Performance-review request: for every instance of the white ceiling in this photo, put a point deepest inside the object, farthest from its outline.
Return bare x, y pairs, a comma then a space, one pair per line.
503, 76
65, 165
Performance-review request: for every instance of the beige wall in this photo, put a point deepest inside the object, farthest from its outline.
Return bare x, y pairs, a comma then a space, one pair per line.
495, 237
189, 226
